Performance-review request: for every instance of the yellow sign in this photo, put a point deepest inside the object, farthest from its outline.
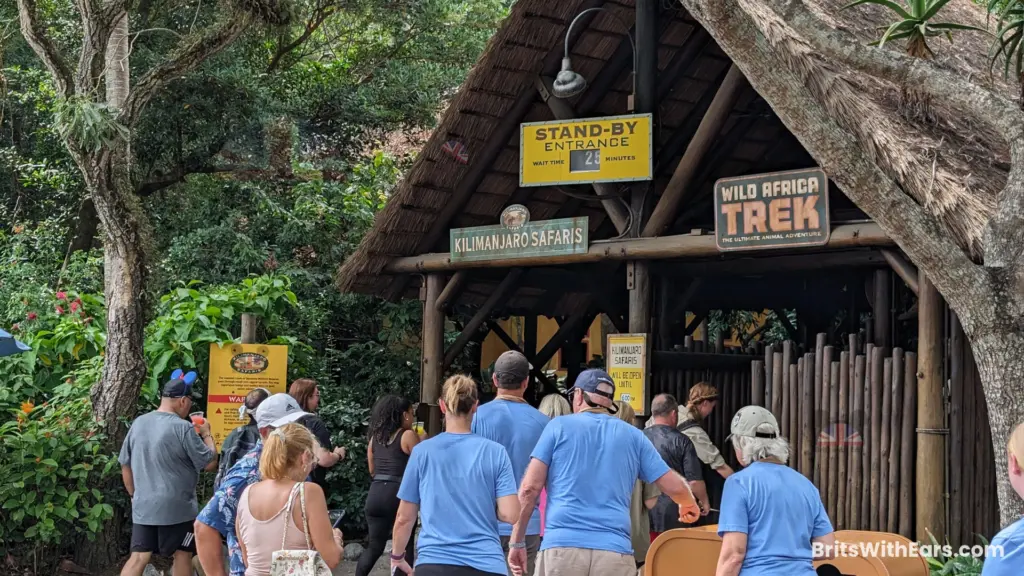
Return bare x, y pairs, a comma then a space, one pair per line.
627, 365
609, 149
236, 370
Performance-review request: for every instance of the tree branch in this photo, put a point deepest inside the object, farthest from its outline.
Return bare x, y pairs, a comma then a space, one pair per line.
189, 56
794, 91
319, 17
1003, 239
44, 48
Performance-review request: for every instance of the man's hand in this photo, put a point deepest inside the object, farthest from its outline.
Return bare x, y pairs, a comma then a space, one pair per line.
689, 513
517, 561
340, 452
704, 508
402, 565
339, 539
204, 429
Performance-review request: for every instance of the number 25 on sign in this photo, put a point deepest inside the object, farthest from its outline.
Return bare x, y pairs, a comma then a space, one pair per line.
627, 365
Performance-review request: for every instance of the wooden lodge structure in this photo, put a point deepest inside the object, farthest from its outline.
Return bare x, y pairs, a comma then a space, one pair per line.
875, 388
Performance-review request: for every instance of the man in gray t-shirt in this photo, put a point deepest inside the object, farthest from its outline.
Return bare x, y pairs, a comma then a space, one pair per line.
160, 463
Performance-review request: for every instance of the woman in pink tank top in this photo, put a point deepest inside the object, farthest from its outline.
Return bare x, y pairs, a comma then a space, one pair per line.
270, 512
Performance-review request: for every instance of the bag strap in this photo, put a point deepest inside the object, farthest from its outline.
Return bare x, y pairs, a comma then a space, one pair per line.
305, 522
288, 514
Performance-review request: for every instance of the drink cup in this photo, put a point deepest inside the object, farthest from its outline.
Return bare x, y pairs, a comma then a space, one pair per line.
418, 428
198, 420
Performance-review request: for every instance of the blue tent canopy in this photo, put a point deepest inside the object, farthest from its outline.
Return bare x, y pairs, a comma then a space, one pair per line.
9, 346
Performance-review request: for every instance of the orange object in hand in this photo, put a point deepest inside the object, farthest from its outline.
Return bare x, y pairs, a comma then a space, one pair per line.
197, 420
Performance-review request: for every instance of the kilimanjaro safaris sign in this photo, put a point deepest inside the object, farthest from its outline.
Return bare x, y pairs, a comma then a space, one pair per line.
564, 152
778, 210
517, 237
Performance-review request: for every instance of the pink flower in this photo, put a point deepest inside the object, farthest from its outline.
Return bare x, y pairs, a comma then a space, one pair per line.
75, 305
62, 296
59, 310
32, 316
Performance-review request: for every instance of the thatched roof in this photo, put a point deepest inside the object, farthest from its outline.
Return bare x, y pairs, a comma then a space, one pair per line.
691, 66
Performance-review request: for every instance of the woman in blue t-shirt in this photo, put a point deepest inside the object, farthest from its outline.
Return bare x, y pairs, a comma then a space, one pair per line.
771, 515
453, 481
1005, 555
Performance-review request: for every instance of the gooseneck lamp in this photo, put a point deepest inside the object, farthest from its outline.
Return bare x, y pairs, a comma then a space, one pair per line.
568, 82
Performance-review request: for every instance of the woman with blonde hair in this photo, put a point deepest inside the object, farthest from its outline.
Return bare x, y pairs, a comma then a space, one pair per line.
460, 484
702, 400
1006, 551
284, 507
644, 497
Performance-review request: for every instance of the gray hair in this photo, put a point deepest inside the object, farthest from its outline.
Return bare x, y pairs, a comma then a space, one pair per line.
753, 449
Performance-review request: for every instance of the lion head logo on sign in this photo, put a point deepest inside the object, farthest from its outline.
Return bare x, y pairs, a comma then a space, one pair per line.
515, 216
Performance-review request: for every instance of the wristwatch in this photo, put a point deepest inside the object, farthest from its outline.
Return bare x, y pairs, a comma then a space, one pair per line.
515, 545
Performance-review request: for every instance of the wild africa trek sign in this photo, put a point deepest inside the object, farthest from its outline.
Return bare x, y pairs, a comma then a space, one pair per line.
517, 237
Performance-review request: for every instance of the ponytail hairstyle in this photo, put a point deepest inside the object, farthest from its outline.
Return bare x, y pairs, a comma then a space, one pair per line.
700, 392
283, 450
388, 415
626, 412
459, 395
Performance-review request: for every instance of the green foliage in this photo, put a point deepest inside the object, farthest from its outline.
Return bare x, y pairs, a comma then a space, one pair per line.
915, 24
50, 464
953, 565
1008, 42
90, 125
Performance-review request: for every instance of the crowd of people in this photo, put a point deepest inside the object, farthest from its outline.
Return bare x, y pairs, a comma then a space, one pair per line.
571, 488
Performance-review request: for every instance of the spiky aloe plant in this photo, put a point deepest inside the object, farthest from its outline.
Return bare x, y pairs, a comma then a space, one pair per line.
915, 25
1009, 42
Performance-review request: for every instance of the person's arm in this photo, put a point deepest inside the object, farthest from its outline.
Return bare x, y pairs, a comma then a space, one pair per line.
207, 435
405, 520
823, 534
708, 452
529, 490
827, 545
724, 471
369, 456
700, 492
693, 473
128, 479
200, 447
326, 539
409, 441
505, 492
208, 549
241, 547
734, 550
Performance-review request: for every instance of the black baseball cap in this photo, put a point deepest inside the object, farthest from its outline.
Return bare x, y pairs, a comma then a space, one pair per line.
179, 386
512, 367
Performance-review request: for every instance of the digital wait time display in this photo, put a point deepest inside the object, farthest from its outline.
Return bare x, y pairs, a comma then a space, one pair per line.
610, 149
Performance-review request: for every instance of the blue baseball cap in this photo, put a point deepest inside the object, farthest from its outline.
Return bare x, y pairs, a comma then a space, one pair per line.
596, 381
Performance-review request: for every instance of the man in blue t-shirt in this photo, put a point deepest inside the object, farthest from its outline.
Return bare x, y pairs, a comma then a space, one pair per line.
771, 514
511, 422
589, 462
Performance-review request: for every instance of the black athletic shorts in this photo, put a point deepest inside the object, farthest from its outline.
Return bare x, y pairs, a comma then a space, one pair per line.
164, 540
449, 570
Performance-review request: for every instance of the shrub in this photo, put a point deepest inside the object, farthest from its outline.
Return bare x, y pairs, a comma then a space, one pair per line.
50, 460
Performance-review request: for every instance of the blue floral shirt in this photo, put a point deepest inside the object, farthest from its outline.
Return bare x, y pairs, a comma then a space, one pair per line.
221, 510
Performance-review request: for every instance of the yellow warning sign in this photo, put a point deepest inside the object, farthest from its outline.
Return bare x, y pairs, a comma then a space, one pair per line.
608, 149
628, 367
236, 370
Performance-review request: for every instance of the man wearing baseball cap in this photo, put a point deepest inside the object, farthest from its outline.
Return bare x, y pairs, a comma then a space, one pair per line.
161, 458
771, 514
510, 421
589, 462
217, 520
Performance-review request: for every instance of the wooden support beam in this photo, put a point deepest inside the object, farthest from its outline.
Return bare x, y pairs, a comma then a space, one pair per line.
931, 428
452, 289
249, 324
511, 344
905, 270
771, 265
692, 325
684, 133
582, 317
665, 247
710, 126
794, 334
431, 368
502, 293
882, 303
482, 161
606, 192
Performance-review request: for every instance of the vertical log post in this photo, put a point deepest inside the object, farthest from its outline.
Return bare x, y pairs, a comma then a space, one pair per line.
807, 418
884, 449
433, 353
769, 374
908, 446
896, 429
883, 309
819, 408
877, 375
842, 436
249, 323
757, 382
931, 453
779, 375
956, 430
856, 491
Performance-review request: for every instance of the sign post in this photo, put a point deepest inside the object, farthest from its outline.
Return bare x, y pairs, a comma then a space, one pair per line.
628, 365
778, 210
236, 370
588, 151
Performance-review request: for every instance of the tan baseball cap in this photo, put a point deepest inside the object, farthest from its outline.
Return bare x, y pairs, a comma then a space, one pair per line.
754, 422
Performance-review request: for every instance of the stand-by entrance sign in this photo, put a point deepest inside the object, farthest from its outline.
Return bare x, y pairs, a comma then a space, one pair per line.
236, 370
609, 149
628, 367
778, 210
